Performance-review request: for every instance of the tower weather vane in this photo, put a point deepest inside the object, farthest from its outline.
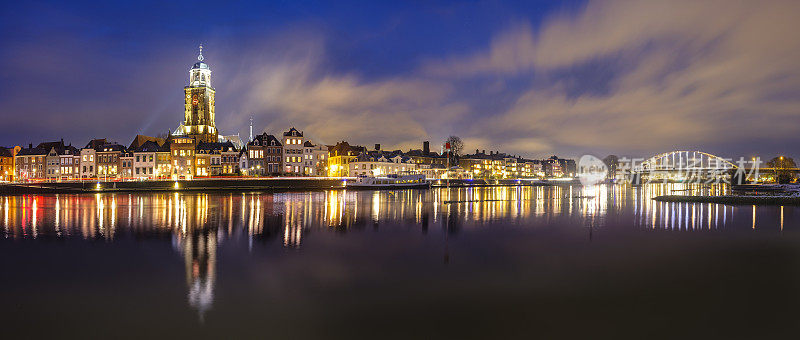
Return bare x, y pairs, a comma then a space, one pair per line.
200, 57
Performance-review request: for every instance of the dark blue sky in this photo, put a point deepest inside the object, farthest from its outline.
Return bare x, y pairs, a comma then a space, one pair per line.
527, 77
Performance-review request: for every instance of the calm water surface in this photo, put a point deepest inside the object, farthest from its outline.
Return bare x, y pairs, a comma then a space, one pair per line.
476, 262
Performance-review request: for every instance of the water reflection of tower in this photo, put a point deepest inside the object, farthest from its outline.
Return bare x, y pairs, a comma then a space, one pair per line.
200, 258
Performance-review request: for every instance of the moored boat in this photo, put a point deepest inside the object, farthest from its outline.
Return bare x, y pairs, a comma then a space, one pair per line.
392, 181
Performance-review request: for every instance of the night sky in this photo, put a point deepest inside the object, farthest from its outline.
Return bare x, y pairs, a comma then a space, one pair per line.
532, 78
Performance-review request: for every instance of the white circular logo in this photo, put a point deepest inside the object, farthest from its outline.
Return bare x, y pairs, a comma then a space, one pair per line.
591, 170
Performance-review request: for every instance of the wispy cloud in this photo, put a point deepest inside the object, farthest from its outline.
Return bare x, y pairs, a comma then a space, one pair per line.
683, 73
293, 88
628, 77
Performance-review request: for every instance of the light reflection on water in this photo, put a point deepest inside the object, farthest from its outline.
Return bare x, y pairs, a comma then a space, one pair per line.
102, 215
199, 223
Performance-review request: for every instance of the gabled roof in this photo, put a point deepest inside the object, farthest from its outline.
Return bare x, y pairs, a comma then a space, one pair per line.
148, 146
58, 145
216, 146
33, 152
6, 152
140, 140
94, 143
293, 133
109, 147
382, 156
69, 150
308, 144
343, 148
265, 140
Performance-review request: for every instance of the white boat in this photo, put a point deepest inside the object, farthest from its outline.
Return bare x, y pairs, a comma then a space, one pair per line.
392, 181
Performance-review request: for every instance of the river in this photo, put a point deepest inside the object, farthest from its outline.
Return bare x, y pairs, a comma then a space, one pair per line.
476, 262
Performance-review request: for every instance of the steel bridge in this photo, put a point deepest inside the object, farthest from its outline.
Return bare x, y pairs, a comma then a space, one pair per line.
685, 161
682, 165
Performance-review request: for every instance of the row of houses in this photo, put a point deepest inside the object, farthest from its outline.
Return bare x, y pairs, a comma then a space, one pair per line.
290, 154
499, 165
174, 157
347, 160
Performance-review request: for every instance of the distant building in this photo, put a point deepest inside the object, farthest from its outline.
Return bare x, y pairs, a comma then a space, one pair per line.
126, 164
107, 160
30, 163
53, 159
293, 142
68, 158
164, 161
434, 171
221, 157
235, 139
315, 159
87, 163
263, 156
426, 156
483, 165
182, 150
379, 163
340, 156
144, 160
139, 140
7, 168
559, 167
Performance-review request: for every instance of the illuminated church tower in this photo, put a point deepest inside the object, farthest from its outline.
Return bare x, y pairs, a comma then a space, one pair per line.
199, 106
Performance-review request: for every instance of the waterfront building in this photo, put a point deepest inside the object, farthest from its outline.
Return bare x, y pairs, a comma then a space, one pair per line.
244, 161
76, 164
7, 168
315, 159
221, 157
139, 141
432, 171
30, 163
164, 161
202, 161
52, 159
264, 156
182, 150
144, 160
483, 165
229, 158
126, 164
234, 139
199, 105
426, 156
107, 160
66, 167
532, 168
87, 163
559, 167
380, 163
293, 148
340, 156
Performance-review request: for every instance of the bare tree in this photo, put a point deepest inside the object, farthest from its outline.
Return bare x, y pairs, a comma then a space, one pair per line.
456, 145
780, 166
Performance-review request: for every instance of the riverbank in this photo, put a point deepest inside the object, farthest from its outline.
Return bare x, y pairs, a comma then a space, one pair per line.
238, 184
732, 200
226, 184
